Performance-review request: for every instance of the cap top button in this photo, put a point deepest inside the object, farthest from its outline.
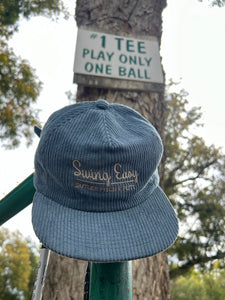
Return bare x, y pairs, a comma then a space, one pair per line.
102, 104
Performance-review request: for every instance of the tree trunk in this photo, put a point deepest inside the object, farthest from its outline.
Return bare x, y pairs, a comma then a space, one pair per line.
65, 276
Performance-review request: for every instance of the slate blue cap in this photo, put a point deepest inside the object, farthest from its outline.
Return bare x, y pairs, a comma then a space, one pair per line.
97, 185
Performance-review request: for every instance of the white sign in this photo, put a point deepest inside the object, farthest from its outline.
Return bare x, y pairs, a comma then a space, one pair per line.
112, 56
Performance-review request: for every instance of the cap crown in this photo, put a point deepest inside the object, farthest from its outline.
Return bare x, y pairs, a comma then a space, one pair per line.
96, 156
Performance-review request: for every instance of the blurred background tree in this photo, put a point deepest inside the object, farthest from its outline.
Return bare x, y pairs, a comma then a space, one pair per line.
219, 3
18, 266
200, 286
12, 10
19, 85
195, 183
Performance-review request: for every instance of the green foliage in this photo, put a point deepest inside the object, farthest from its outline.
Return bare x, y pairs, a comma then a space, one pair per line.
194, 181
219, 3
19, 86
199, 286
12, 10
18, 264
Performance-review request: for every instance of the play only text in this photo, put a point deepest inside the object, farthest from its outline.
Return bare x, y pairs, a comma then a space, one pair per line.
106, 55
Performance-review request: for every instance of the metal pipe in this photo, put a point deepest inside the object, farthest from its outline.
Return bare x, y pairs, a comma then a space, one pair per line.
111, 281
41, 274
17, 199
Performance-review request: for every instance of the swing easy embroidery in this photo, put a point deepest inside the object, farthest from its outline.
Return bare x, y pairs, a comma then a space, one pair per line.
103, 181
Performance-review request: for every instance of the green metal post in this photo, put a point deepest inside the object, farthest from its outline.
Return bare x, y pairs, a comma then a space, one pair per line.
17, 199
111, 281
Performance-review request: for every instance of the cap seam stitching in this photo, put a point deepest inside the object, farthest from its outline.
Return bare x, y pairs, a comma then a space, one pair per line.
107, 132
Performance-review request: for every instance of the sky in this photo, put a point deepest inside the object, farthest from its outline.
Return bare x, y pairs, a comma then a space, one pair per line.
192, 51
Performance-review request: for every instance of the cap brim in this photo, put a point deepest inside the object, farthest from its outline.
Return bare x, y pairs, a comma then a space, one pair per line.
138, 232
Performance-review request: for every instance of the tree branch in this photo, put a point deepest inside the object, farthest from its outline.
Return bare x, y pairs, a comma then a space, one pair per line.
187, 266
202, 168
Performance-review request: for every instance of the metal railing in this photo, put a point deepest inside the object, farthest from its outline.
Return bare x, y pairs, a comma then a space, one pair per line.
17, 199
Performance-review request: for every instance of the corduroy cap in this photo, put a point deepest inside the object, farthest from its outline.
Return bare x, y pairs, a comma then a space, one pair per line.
97, 185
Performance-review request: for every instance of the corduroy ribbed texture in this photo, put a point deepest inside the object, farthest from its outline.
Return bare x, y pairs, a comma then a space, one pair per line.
96, 178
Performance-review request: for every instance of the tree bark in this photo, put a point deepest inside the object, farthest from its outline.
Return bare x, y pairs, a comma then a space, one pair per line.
139, 17
64, 279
